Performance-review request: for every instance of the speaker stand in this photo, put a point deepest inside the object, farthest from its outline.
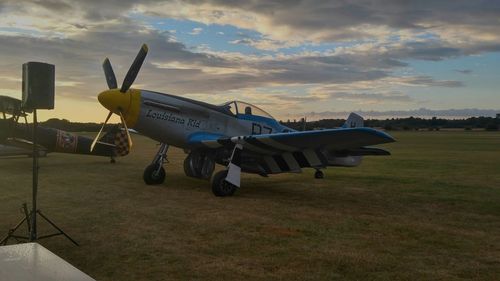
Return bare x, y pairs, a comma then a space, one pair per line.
27, 218
31, 218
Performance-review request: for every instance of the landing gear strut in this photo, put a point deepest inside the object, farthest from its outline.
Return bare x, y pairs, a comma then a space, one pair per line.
319, 174
155, 173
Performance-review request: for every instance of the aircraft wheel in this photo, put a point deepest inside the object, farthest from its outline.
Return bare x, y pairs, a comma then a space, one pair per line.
220, 187
208, 168
153, 176
319, 174
187, 167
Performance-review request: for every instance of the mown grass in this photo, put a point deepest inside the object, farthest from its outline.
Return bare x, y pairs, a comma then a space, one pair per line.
431, 211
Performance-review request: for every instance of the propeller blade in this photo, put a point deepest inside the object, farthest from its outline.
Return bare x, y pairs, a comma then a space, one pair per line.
110, 74
100, 131
126, 130
134, 69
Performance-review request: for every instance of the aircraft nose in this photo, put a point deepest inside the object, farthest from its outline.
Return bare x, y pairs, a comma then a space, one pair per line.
128, 103
115, 101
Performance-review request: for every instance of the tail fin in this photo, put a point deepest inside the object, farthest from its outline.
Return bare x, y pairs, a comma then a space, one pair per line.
118, 137
121, 142
353, 121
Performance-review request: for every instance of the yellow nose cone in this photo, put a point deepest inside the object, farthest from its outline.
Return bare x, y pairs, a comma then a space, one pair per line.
115, 101
127, 103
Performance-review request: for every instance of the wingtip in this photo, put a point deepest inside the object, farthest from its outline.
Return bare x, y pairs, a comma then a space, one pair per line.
388, 137
145, 47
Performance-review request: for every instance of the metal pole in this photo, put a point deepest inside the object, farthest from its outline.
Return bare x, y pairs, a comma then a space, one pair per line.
33, 234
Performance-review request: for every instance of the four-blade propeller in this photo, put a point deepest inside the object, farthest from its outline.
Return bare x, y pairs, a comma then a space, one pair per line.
127, 82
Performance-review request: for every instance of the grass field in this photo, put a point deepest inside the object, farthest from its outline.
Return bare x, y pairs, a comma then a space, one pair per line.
431, 211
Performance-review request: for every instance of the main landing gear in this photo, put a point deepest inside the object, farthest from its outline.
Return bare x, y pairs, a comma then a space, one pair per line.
155, 173
199, 164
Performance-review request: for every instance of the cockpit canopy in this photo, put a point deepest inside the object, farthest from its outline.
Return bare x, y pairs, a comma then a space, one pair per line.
239, 107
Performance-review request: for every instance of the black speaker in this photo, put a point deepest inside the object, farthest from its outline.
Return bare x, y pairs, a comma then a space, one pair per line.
38, 85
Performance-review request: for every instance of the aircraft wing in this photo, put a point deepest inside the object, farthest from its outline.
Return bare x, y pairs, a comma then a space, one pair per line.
343, 139
13, 147
6, 150
289, 152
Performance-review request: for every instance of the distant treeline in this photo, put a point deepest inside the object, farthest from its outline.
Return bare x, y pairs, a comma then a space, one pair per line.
411, 123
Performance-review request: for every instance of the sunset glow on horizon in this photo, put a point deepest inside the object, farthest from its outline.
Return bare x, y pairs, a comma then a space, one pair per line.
320, 59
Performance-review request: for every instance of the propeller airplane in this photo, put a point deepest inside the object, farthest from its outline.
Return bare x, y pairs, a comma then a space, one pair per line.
17, 138
236, 134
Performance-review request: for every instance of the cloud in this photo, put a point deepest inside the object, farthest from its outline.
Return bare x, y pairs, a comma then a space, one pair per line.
173, 67
464, 71
465, 25
429, 81
196, 31
390, 97
78, 57
355, 98
245, 41
421, 112
371, 42
261, 43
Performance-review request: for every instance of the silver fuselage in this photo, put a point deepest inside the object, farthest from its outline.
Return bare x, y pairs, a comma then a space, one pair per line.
173, 120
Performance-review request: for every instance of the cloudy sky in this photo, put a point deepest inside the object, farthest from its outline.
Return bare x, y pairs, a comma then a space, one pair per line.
293, 58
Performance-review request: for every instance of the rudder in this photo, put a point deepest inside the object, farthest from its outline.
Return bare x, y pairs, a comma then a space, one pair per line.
353, 121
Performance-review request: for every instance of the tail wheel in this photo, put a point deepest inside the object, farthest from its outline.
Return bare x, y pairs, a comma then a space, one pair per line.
220, 187
319, 174
154, 174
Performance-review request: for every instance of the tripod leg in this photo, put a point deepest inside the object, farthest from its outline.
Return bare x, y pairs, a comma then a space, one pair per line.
12, 230
27, 216
56, 227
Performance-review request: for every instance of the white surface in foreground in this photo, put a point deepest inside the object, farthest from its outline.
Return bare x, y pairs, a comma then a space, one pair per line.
31, 261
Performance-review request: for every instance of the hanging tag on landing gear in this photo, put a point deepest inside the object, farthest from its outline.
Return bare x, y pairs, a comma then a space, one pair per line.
234, 167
